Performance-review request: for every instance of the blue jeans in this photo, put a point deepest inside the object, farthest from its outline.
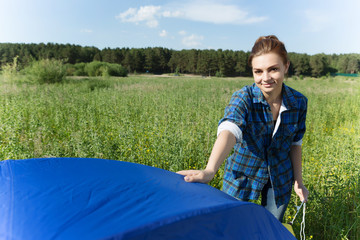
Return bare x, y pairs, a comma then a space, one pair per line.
268, 201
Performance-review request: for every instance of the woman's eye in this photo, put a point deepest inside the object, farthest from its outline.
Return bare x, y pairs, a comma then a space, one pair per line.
274, 69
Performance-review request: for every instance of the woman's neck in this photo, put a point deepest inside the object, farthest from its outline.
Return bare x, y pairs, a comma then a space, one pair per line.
273, 98
275, 104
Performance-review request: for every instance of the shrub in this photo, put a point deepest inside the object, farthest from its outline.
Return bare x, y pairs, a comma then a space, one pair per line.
177, 71
9, 70
70, 69
46, 71
114, 69
96, 68
219, 74
79, 69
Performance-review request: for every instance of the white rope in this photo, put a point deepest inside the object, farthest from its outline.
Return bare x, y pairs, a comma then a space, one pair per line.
302, 226
297, 211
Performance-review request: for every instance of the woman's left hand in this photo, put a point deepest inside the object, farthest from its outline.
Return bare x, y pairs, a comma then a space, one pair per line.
301, 191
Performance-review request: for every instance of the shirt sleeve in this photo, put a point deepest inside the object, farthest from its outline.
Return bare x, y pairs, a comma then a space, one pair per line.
231, 127
298, 143
302, 127
235, 113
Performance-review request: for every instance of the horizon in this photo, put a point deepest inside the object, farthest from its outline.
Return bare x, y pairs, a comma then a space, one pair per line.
167, 48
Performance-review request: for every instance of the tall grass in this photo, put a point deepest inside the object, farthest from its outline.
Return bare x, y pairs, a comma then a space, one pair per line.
171, 123
331, 157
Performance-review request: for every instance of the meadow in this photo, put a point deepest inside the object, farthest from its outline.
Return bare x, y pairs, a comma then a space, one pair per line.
170, 123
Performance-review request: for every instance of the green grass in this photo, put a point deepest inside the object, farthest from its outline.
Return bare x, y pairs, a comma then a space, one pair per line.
170, 123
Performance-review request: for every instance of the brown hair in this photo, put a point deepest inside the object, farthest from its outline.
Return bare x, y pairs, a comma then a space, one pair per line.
267, 44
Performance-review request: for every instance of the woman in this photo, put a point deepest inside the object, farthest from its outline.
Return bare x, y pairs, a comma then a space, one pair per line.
264, 123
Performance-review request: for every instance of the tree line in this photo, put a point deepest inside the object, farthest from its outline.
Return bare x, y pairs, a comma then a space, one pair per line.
160, 60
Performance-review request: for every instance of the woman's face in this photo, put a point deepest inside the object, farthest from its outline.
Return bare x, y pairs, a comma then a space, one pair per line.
269, 72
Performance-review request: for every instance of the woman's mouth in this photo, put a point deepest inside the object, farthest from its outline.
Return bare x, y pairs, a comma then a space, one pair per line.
268, 84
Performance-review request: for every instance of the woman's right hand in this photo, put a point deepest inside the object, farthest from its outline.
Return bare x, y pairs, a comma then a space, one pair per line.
222, 147
201, 176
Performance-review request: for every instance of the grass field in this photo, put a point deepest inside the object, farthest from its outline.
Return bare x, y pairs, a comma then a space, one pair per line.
170, 123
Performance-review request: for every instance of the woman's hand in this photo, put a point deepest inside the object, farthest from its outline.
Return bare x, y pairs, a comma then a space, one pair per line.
301, 191
222, 147
201, 176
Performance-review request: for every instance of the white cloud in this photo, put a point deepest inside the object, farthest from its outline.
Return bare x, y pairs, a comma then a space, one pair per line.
198, 10
218, 13
163, 33
182, 32
172, 14
192, 40
147, 14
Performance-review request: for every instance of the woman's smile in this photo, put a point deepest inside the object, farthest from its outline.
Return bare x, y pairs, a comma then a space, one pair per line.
268, 84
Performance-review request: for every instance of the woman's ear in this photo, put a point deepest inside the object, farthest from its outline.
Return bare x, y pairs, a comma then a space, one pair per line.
287, 65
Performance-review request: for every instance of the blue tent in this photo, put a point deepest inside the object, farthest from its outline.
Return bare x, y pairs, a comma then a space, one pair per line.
85, 198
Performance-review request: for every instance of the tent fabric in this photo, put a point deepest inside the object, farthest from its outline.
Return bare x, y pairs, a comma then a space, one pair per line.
88, 198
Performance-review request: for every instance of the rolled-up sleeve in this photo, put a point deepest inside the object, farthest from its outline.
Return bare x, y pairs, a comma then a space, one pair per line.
234, 119
231, 127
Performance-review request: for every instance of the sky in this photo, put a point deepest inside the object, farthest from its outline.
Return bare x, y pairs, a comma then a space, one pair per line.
307, 26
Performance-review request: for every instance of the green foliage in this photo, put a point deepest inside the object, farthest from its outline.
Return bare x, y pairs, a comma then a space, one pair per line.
177, 71
116, 70
162, 60
46, 71
70, 69
10, 70
96, 68
219, 74
300, 64
77, 69
318, 64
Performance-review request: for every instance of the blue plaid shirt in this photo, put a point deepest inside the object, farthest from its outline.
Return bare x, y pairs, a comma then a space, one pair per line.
260, 156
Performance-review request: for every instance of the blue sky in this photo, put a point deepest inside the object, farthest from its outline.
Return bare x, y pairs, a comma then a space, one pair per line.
308, 26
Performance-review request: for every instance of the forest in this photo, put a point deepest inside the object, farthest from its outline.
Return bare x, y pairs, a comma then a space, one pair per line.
160, 60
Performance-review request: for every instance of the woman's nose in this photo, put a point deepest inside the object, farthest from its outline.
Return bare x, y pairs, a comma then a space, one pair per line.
266, 75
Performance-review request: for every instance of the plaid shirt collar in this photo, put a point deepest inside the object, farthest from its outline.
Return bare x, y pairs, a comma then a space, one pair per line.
288, 98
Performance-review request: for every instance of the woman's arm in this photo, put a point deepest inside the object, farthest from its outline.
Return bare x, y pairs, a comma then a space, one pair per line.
299, 187
222, 148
